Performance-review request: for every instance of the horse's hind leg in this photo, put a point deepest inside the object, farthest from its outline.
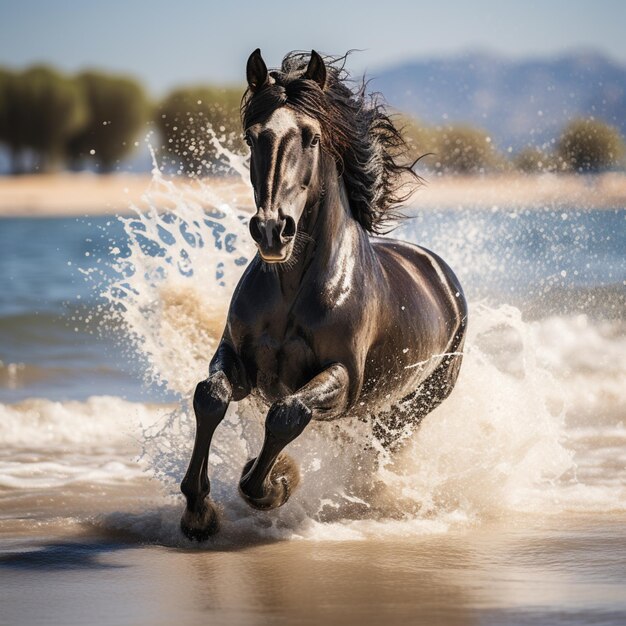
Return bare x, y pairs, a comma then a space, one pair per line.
268, 481
394, 427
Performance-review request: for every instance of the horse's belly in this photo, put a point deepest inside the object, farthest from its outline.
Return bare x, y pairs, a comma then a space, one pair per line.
282, 366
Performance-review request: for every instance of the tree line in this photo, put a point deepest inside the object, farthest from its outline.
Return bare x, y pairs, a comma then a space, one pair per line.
49, 120
584, 145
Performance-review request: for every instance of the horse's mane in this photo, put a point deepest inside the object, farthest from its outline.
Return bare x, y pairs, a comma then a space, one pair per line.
357, 131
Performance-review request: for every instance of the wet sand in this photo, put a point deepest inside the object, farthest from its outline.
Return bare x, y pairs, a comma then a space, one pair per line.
558, 570
61, 563
112, 554
88, 194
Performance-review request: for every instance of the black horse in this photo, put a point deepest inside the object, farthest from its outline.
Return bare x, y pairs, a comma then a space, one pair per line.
328, 319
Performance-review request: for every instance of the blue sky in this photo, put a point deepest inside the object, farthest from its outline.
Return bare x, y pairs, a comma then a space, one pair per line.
184, 41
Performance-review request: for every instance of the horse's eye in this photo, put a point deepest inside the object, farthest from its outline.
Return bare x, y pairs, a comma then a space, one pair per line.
315, 141
247, 139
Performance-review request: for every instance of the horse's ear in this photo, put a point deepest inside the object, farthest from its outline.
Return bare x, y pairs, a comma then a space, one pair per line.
316, 70
256, 71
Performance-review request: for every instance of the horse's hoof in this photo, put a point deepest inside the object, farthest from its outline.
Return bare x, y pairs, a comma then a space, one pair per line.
282, 481
199, 526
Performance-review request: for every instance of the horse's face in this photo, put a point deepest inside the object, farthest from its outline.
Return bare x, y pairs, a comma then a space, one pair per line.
285, 155
284, 163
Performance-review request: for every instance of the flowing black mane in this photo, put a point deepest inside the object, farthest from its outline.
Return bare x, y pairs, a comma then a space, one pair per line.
357, 131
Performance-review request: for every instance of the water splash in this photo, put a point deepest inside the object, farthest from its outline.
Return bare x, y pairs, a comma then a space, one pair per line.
498, 444
186, 253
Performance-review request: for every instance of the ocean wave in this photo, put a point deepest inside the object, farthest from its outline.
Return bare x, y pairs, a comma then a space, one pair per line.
102, 421
48, 445
530, 428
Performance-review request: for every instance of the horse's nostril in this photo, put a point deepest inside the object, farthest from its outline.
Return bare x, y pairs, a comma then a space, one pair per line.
289, 229
255, 229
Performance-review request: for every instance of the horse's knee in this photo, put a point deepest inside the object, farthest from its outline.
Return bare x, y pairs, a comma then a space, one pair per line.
211, 398
287, 419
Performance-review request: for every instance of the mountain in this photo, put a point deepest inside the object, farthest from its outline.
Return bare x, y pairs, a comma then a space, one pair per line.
519, 102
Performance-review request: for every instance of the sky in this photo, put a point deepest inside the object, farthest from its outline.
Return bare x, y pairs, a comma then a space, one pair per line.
184, 42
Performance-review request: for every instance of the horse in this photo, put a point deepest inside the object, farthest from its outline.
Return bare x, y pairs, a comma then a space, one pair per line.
329, 319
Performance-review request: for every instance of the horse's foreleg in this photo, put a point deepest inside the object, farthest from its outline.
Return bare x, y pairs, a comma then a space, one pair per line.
268, 481
210, 402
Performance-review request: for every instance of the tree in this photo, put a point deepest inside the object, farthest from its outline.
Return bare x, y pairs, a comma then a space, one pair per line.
185, 119
46, 109
533, 160
5, 79
12, 132
117, 109
463, 150
588, 145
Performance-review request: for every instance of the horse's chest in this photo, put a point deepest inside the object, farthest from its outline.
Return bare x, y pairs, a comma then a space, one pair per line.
283, 364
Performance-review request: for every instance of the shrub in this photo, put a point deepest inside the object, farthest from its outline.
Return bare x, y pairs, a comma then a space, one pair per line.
463, 150
532, 160
588, 145
420, 139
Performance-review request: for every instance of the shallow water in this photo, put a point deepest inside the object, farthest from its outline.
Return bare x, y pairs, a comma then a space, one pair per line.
507, 506
520, 571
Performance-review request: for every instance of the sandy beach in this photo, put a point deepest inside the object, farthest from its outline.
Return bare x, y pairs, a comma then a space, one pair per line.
69, 194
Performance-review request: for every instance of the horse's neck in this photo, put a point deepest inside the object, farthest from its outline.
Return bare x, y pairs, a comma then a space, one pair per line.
337, 240
334, 228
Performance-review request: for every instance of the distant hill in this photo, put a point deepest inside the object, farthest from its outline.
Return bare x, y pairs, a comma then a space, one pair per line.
519, 102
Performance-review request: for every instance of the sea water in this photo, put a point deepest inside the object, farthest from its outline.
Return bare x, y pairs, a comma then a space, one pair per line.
106, 325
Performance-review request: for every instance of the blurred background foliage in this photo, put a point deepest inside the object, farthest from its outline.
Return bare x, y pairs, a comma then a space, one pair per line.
590, 145
94, 120
188, 119
117, 111
40, 109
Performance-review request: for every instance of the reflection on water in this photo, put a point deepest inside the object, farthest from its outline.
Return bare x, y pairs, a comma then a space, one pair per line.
517, 571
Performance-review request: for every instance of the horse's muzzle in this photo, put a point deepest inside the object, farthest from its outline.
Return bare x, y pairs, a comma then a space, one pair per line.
274, 237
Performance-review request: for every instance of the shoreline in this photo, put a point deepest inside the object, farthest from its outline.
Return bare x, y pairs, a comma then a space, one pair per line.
80, 194
497, 573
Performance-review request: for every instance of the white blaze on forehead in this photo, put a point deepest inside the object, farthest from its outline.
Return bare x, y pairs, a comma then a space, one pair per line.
281, 121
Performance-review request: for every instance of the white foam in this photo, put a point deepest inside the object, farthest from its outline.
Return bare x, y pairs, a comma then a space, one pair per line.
95, 468
500, 444
49, 444
102, 421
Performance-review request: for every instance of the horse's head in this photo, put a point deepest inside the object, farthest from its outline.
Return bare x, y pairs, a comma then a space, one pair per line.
284, 158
